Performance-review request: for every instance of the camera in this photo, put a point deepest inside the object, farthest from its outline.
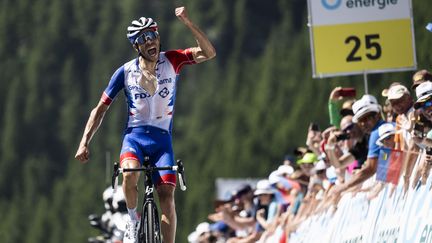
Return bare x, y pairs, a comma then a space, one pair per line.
343, 136
419, 130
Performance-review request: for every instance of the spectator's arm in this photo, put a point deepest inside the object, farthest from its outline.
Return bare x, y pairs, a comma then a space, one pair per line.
334, 107
362, 175
409, 162
235, 222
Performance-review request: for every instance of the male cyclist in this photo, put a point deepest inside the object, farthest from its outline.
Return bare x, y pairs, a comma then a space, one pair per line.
149, 83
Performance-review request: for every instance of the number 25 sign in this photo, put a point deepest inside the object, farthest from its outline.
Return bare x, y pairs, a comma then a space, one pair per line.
361, 36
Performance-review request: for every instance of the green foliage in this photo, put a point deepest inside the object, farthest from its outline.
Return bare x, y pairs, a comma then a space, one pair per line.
236, 116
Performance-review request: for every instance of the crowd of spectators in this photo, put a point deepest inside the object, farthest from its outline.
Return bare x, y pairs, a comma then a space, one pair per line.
342, 158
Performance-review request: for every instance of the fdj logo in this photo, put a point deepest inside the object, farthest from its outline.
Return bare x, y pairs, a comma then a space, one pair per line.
331, 4
141, 96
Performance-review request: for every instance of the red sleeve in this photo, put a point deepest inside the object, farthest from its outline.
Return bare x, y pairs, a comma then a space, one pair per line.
178, 58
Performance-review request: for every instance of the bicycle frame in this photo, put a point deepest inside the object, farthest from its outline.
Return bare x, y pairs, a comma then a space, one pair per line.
149, 228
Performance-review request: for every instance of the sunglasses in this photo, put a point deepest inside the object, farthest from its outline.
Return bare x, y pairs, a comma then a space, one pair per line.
348, 128
145, 36
427, 104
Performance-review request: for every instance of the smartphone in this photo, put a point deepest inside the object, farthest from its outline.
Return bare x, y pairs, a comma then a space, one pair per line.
347, 92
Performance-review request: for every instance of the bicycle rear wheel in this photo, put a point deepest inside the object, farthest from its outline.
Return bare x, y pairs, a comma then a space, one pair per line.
150, 228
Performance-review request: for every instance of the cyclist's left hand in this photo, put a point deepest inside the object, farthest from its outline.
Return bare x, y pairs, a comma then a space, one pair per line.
181, 13
82, 154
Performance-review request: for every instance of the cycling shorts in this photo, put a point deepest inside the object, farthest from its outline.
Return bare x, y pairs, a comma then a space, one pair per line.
155, 143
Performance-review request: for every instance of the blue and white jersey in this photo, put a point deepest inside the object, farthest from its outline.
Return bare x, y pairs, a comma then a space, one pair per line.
144, 109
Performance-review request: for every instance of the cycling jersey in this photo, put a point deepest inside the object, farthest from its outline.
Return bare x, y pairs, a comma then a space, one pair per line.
149, 125
145, 109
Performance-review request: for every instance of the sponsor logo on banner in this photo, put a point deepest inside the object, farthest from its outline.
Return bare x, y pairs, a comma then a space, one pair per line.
331, 6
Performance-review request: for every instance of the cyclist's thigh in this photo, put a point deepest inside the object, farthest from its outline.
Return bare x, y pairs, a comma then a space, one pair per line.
131, 155
164, 157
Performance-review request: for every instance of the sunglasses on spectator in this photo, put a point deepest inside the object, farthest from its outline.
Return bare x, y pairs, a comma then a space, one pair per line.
145, 36
348, 128
427, 104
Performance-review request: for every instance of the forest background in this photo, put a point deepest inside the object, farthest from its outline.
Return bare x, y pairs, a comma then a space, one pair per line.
236, 116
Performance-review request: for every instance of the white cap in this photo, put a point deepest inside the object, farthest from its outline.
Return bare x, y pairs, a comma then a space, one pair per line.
384, 131
200, 229
396, 92
424, 91
274, 178
366, 104
263, 187
321, 165
285, 169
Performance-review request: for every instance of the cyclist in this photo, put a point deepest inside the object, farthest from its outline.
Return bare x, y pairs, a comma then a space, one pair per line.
149, 83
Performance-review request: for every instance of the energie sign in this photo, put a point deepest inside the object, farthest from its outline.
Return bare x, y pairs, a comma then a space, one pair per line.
361, 36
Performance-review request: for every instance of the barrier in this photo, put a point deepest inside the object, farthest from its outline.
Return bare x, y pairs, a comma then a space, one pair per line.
397, 218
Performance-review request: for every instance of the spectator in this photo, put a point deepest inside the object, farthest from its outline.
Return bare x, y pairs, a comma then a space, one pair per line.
402, 104
386, 140
422, 130
347, 146
419, 77
307, 163
367, 116
314, 138
390, 116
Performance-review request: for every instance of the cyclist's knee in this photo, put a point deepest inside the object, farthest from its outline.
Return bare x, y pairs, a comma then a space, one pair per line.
166, 193
130, 178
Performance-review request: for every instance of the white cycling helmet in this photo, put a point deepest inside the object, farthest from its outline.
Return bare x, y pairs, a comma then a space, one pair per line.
137, 26
119, 201
107, 196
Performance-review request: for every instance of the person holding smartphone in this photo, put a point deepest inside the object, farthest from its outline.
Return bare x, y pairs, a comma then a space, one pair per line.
339, 106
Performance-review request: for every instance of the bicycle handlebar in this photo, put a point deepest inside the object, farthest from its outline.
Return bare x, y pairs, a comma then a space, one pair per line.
179, 168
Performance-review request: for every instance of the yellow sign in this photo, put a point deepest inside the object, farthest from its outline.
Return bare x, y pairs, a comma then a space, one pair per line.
348, 40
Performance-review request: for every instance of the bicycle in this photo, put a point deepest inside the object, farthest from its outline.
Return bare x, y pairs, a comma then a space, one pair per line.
149, 231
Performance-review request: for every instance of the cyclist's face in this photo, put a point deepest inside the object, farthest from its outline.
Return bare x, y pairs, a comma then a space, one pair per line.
149, 45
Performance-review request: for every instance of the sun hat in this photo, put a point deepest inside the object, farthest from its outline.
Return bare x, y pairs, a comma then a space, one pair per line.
365, 105
396, 92
419, 77
384, 131
423, 93
285, 169
263, 187
321, 165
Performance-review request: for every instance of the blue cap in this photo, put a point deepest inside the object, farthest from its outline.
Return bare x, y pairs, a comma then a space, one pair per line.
429, 27
219, 226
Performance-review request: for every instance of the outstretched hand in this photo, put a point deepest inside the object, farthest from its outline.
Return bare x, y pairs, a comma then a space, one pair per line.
181, 13
82, 154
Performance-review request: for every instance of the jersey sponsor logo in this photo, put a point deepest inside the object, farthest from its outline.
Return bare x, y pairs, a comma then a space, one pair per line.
164, 92
134, 87
165, 81
141, 96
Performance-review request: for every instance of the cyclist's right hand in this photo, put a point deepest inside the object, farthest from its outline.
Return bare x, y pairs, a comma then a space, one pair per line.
82, 154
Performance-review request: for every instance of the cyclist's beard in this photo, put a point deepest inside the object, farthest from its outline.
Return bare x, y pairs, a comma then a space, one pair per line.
147, 59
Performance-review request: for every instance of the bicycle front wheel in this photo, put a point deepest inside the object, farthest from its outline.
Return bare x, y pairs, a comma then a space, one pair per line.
150, 224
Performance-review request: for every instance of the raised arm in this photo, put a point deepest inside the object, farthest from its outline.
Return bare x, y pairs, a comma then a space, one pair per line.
93, 123
205, 50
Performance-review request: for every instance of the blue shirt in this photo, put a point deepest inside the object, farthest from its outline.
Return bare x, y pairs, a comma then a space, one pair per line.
374, 149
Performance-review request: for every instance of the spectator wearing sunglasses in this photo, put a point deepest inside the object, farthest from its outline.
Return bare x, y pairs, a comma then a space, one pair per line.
422, 131
149, 83
367, 115
347, 146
